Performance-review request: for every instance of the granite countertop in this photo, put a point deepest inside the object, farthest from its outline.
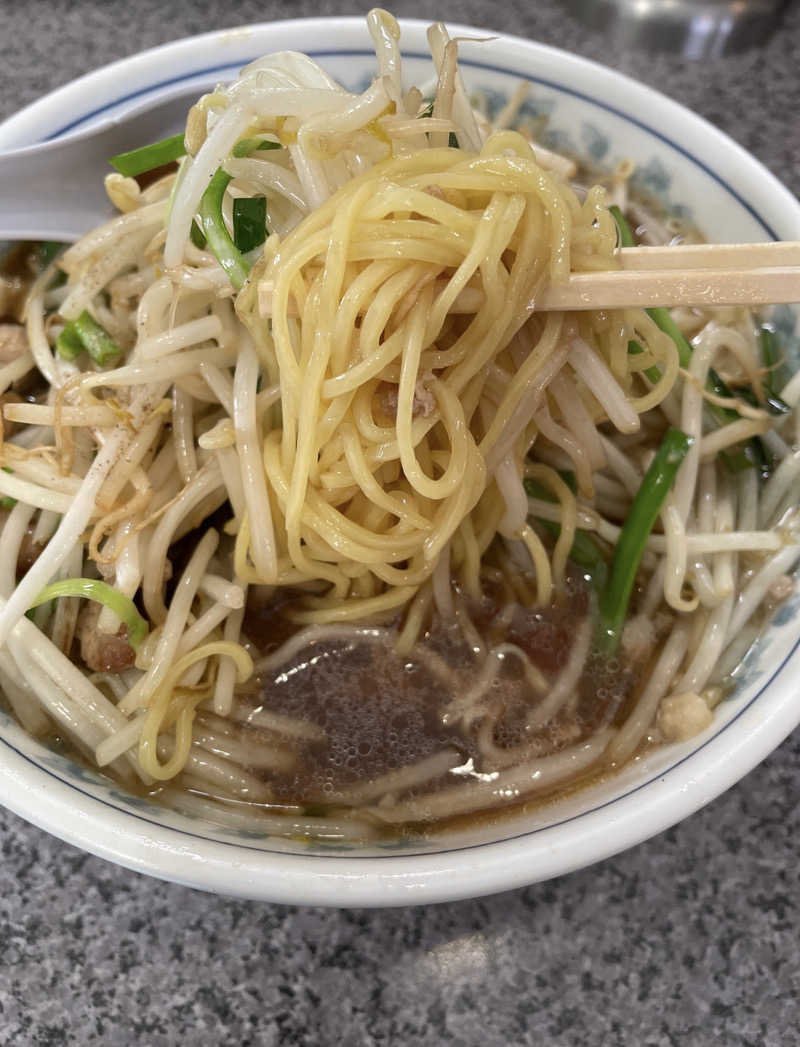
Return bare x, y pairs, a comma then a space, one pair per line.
688, 939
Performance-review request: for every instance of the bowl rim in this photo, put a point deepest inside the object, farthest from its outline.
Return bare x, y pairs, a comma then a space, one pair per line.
48, 801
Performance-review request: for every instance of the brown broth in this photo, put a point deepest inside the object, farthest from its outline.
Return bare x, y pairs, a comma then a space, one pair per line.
382, 711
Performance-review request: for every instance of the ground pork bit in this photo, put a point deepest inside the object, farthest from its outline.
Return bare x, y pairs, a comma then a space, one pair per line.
13, 342
435, 191
103, 652
781, 589
424, 401
682, 716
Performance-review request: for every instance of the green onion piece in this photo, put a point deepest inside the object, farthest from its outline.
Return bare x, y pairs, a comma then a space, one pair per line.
635, 532
92, 589
99, 344
585, 552
663, 319
653, 374
246, 146
68, 344
197, 236
660, 315
719, 387
427, 112
249, 222
213, 226
137, 161
48, 250
626, 237
87, 334
776, 376
754, 454
744, 458
774, 404
538, 490
7, 502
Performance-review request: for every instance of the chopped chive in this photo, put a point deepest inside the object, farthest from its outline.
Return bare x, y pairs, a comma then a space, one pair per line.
92, 589
213, 226
426, 112
452, 141
538, 490
137, 161
86, 334
249, 222
633, 538
246, 146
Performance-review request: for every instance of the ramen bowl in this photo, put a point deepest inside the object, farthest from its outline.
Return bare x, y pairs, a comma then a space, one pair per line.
695, 172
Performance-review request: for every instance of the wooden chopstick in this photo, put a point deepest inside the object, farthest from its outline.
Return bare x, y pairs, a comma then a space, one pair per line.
685, 274
771, 255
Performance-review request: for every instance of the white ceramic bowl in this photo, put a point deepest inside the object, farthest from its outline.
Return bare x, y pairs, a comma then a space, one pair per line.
688, 164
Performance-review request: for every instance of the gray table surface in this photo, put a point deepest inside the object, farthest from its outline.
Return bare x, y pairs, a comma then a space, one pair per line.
688, 939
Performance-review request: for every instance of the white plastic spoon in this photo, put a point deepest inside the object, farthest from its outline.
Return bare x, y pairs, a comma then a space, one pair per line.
54, 190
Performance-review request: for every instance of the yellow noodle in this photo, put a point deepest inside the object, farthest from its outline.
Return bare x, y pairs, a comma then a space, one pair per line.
185, 705
541, 562
569, 515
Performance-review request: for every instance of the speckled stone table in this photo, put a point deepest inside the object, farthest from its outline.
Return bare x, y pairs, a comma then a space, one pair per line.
690, 939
